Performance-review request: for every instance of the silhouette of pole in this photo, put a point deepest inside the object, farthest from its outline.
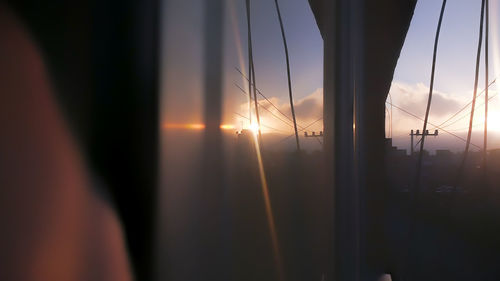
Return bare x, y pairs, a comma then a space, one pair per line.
426, 133
288, 74
411, 142
469, 134
486, 72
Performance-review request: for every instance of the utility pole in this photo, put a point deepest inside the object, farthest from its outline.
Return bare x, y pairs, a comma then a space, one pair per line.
418, 133
313, 134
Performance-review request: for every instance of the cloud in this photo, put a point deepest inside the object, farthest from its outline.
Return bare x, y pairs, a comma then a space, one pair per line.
311, 106
413, 97
307, 110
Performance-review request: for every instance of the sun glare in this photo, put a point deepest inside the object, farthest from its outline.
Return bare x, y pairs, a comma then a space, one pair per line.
494, 121
254, 128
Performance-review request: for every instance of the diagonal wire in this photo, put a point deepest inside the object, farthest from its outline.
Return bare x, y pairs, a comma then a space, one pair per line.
436, 126
309, 125
265, 108
486, 73
468, 113
465, 106
463, 128
270, 102
264, 125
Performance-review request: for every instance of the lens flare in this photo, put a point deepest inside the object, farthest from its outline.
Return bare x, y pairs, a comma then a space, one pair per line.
194, 126
269, 209
227, 127
186, 126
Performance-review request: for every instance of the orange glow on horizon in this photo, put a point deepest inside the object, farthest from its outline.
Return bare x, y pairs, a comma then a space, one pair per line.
194, 126
227, 127
189, 126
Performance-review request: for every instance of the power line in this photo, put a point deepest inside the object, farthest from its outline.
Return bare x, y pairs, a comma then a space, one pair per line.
264, 125
436, 126
288, 74
465, 106
260, 93
468, 113
310, 124
264, 96
416, 190
476, 78
461, 129
486, 72
429, 99
263, 107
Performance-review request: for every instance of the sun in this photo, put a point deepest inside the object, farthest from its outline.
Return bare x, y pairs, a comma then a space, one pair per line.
254, 128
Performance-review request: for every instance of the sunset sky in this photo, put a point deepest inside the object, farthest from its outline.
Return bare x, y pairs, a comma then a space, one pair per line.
454, 71
454, 79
